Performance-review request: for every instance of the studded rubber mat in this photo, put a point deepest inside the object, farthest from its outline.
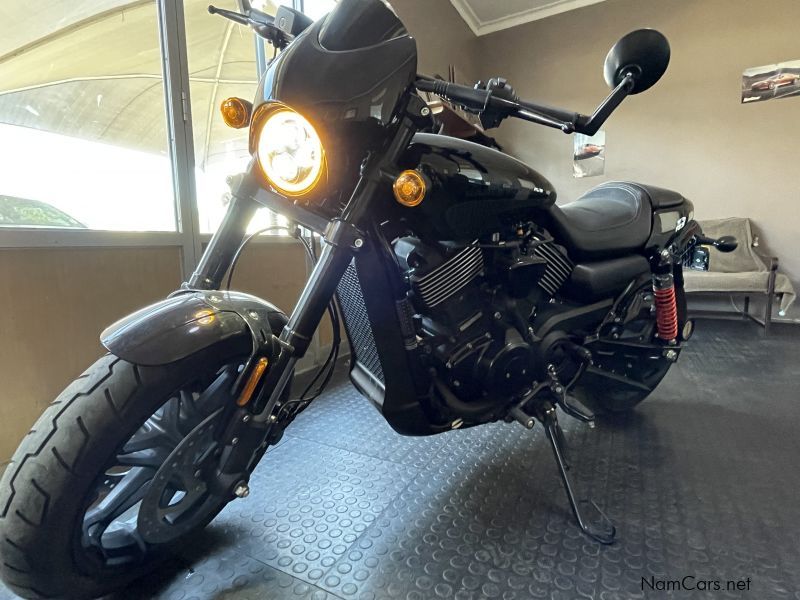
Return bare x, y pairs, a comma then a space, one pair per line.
702, 482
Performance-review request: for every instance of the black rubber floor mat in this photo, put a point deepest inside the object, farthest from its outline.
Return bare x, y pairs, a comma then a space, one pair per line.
701, 480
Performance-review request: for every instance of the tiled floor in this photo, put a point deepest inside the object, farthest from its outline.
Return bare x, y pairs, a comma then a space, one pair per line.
701, 480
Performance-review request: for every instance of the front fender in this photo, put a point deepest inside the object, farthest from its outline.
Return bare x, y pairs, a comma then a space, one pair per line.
189, 322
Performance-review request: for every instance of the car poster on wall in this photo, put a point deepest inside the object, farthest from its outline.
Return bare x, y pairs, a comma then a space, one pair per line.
771, 81
589, 154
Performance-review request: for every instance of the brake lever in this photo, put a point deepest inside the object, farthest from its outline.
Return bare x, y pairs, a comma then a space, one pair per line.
229, 14
259, 22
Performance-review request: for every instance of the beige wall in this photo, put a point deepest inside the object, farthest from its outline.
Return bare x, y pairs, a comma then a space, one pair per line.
58, 300
690, 132
277, 272
443, 37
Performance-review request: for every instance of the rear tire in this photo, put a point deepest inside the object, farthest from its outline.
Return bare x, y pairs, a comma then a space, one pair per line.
46, 489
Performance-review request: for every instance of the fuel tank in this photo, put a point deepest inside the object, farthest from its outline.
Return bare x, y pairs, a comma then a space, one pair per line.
474, 190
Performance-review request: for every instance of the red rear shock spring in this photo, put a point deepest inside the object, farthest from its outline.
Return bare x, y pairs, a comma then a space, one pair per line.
666, 308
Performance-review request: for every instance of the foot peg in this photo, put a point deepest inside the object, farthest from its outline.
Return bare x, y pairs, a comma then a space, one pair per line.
523, 418
602, 529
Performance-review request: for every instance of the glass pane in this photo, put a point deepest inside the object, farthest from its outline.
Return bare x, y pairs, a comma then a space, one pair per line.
82, 117
318, 8
222, 63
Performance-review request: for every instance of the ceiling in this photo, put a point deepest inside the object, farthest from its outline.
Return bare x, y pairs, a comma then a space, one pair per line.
92, 70
487, 16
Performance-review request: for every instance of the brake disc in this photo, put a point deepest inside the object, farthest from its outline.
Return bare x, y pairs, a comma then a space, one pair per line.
177, 499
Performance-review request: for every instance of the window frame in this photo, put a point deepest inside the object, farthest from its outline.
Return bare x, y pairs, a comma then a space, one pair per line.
175, 73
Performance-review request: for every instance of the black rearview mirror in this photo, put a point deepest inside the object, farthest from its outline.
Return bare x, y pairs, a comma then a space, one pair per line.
644, 53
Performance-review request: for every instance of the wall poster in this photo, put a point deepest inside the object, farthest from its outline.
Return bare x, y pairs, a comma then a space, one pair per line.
589, 154
771, 81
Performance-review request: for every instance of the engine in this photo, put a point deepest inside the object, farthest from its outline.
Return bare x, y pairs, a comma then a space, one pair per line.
473, 307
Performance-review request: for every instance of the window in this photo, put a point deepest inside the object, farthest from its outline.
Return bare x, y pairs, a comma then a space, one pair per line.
83, 140
83, 135
318, 8
222, 63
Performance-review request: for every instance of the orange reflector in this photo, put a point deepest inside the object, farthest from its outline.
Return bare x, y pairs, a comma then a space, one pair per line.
252, 381
205, 317
236, 112
409, 188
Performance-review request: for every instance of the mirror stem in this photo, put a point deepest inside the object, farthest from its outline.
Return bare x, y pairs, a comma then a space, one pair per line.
591, 125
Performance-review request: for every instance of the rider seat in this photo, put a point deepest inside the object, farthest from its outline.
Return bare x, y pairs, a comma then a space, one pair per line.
610, 220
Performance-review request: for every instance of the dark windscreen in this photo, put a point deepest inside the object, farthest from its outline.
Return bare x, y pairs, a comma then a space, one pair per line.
355, 24
353, 66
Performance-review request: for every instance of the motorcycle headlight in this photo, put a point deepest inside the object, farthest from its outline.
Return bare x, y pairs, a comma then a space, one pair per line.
289, 151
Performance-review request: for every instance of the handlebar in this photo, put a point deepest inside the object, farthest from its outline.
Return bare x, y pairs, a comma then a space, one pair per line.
494, 103
230, 15
726, 243
279, 32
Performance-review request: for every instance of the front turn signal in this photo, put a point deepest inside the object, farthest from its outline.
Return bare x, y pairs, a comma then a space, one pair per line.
409, 188
252, 381
236, 112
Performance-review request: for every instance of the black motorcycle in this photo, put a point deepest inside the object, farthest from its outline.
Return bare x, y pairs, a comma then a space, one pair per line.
468, 296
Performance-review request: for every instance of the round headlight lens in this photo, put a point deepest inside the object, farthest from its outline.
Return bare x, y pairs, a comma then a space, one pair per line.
290, 152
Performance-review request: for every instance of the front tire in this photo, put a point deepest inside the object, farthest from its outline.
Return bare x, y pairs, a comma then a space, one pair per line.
51, 484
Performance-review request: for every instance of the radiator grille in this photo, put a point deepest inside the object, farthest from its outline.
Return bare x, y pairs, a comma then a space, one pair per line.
351, 301
559, 266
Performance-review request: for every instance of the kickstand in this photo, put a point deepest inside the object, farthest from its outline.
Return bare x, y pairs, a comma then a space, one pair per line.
557, 442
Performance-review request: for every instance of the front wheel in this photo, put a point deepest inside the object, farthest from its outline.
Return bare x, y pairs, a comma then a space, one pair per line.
74, 498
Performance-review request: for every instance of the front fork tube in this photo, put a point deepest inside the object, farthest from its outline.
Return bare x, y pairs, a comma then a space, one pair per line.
249, 430
219, 253
254, 427
338, 250
248, 433
306, 316
343, 239
296, 336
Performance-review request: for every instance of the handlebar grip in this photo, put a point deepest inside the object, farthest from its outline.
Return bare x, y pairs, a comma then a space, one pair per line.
461, 94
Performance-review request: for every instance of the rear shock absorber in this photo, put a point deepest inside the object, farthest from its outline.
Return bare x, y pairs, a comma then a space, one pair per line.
666, 306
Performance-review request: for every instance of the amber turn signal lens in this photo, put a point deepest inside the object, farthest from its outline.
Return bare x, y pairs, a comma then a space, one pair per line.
236, 112
252, 381
409, 188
